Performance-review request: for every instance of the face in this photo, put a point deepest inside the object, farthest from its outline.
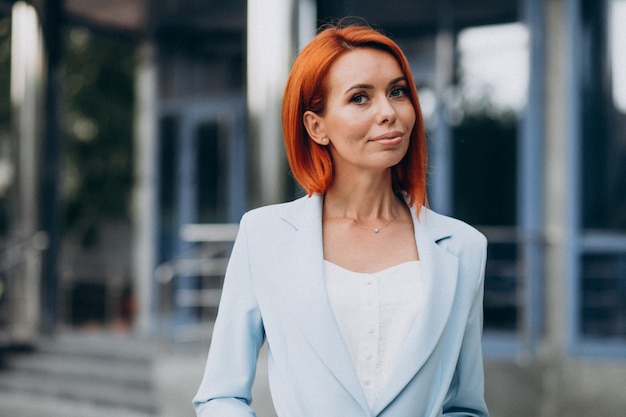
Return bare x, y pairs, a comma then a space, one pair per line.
369, 116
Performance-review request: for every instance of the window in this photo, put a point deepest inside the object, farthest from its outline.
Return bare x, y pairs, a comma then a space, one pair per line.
493, 76
600, 304
212, 157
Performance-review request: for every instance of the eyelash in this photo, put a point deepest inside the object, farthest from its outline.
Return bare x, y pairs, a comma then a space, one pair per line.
357, 97
403, 90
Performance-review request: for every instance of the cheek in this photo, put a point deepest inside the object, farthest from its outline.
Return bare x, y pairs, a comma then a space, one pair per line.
350, 124
408, 116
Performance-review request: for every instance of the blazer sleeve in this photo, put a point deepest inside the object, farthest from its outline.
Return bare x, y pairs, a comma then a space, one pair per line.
226, 387
465, 397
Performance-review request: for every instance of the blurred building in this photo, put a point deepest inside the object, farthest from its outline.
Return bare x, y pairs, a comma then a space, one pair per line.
525, 102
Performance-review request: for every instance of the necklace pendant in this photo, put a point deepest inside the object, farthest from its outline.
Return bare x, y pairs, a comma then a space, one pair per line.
376, 230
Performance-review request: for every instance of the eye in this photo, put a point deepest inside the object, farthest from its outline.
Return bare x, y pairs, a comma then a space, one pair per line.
358, 98
399, 92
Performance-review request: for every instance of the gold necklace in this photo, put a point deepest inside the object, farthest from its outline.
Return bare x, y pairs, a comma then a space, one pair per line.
354, 222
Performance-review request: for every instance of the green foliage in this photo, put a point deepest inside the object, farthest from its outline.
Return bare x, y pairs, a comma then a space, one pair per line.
97, 128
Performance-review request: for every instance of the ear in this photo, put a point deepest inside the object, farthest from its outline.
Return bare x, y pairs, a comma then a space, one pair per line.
315, 127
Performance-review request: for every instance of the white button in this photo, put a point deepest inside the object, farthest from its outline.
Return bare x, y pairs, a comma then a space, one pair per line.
368, 356
367, 382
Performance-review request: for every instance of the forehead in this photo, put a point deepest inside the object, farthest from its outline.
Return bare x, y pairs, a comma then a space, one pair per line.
364, 65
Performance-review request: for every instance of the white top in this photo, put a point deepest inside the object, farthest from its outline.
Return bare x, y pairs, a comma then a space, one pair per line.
375, 313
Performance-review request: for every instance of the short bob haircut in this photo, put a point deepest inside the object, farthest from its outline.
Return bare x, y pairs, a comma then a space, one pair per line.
307, 90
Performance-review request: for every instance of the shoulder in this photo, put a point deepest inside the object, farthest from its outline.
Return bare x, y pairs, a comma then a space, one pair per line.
450, 227
273, 227
273, 210
461, 240
275, 217
456, 237
260, 214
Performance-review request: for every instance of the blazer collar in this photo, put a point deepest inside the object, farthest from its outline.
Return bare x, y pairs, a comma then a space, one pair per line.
440, 271
306, 292
299, 213
310, 306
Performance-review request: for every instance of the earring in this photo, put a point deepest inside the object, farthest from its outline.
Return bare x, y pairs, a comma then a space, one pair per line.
325, 140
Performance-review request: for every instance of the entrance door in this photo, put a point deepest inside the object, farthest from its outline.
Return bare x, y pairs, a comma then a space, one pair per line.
202, 180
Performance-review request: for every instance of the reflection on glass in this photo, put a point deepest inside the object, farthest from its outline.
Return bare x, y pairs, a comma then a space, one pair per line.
618, 54
491, 92
494, 67
603, 300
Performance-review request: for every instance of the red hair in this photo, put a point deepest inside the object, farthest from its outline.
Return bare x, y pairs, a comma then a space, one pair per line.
306, 90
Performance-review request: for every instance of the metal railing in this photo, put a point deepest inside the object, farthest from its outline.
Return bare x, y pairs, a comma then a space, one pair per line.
20, 290
205, 265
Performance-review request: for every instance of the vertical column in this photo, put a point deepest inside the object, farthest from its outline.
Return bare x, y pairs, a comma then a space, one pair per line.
145, 188
27, 82
237, 168
441, 147
186, 203
307, 21
271, 43
561, 184
51, 164
530, 179
186, 177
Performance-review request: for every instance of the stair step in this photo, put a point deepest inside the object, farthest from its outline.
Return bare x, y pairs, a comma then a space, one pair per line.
27, 405
88, 369
101, 393
119, 348
100, 372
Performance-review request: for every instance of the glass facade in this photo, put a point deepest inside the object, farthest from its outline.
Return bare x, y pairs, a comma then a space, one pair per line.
601, 291
473, 67
603, 296
604, 123
492, 78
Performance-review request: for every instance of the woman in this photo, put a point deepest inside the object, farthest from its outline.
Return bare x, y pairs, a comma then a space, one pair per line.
370, 303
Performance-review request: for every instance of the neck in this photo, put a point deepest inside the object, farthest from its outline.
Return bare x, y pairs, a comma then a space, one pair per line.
364, 199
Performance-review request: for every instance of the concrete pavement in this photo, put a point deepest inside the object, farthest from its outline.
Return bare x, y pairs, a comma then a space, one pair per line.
100, 374
178, 372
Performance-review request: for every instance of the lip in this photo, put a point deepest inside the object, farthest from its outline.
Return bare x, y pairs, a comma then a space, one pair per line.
389, 138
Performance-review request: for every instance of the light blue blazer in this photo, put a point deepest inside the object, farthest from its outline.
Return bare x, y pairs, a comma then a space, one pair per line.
274, 290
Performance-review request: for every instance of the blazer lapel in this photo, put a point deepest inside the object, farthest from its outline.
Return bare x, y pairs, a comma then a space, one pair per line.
440, 272
306, 290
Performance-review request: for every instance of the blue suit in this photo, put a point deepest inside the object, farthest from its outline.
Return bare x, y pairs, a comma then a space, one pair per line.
274, 290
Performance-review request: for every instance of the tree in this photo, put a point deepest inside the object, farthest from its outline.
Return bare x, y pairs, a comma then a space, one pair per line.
98, 119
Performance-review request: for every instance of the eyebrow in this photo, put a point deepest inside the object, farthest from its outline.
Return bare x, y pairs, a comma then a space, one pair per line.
370, 86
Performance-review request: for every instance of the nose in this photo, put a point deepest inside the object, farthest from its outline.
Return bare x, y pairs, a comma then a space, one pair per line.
386, 111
